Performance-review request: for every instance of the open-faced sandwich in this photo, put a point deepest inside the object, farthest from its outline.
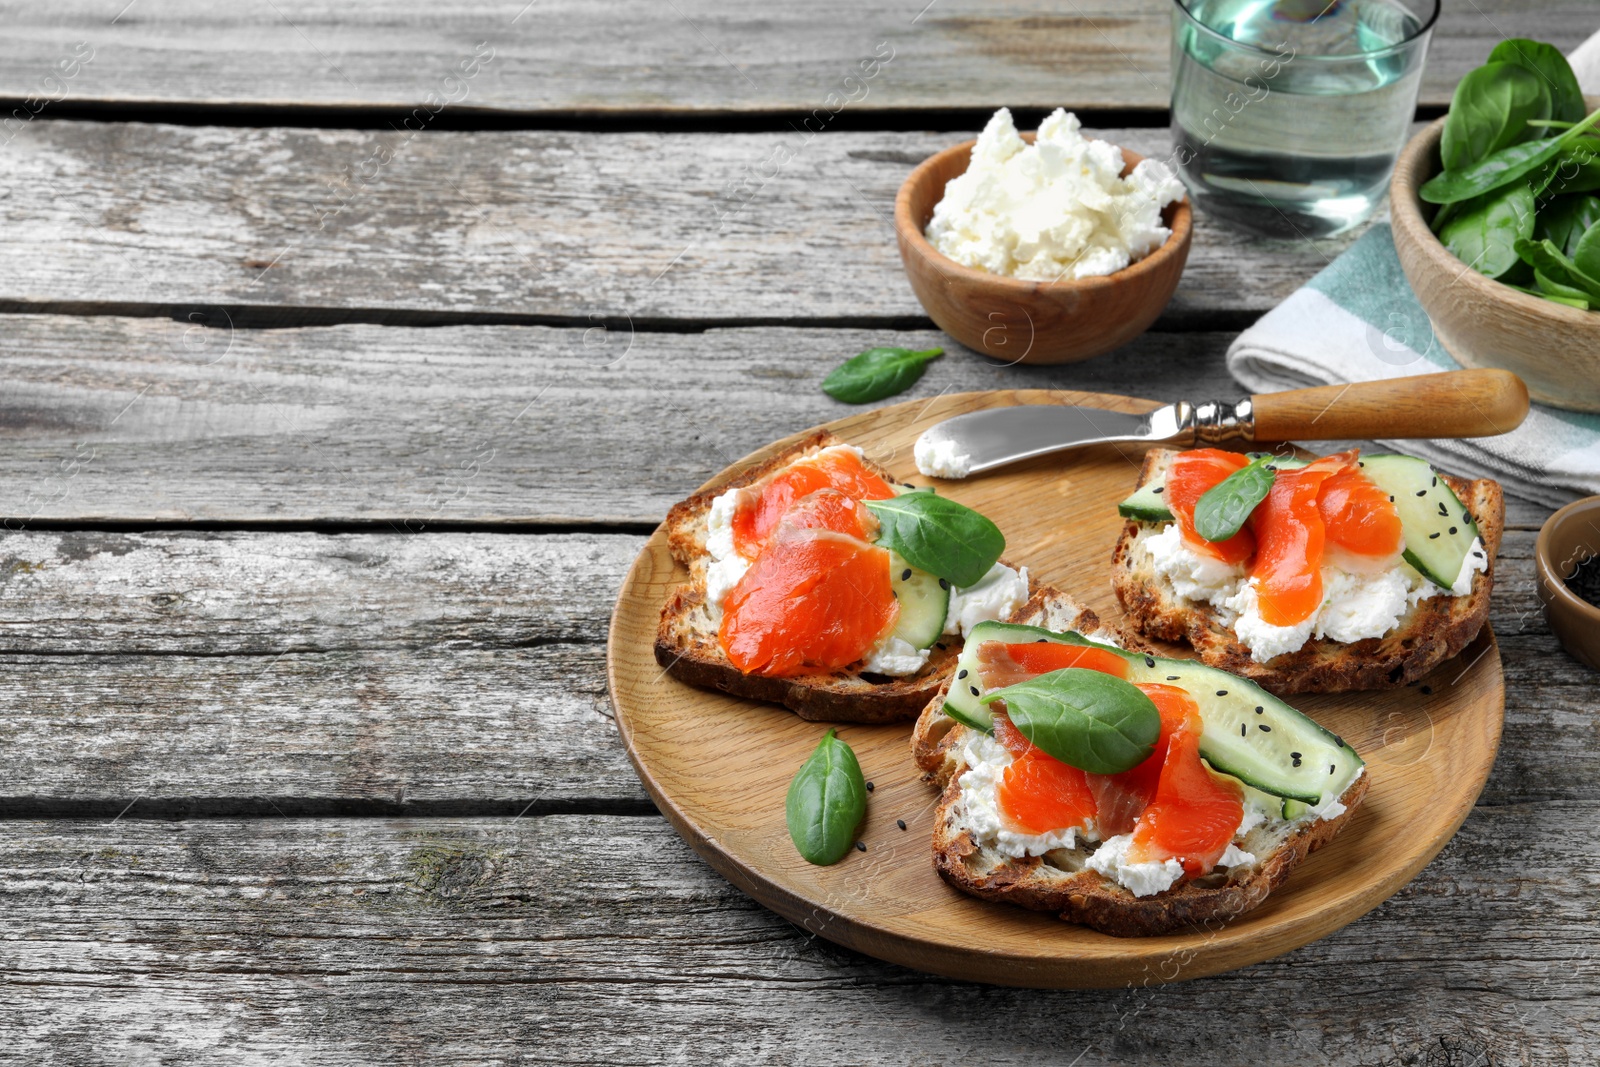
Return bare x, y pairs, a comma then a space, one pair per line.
1123, 791
817, 582
1346, 572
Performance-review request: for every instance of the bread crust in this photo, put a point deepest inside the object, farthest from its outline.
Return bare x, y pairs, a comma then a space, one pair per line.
1084, 896
686, 643
1430, 633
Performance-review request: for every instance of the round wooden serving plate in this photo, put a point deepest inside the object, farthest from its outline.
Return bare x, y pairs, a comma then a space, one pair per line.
719, 767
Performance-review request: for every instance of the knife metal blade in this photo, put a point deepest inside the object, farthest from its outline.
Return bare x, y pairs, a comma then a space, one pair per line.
983, 440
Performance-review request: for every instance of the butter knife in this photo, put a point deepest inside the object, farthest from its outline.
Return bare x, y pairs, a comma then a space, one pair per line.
1460, 403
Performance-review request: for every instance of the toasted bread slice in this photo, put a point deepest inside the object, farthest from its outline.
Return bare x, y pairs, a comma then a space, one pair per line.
687, 646
1059, 881
1431, 632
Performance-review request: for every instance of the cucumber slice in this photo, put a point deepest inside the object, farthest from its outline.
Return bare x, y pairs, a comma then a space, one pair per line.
1292, 757
961, 702
1254, 736
924, 603
1438, 530
1293, 809
1146, 504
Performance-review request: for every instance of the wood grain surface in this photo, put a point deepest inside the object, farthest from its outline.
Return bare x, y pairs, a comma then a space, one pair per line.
283, 224
141, 420
388, 466
498, 941
638, 58
717, 766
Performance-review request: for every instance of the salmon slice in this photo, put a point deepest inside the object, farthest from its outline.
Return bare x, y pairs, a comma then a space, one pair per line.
1121, 798
829, 509
1001, 664
1194, 811
811, 599
1190, 475
1290, 540
1361, 523
832, 468
1038, 793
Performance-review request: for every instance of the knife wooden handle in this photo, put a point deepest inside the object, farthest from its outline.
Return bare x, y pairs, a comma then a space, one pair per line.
1457, 403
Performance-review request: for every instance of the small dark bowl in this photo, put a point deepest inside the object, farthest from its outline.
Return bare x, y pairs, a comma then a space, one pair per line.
1568, 537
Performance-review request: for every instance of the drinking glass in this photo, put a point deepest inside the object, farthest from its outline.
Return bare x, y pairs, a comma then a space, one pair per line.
1287, 115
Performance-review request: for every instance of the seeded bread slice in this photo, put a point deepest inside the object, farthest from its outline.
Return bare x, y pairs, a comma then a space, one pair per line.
1431, 632
686, 639
1060, 881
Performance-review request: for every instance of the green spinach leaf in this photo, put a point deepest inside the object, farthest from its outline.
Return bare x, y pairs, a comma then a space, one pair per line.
826, 802
1546, 61
1499, 168
1576, 169
1585, 254
1544, 257
1554, 290
938, 535
1485, 232
877, 373
1563, 220
1223, 509
1084, 718
1490, 110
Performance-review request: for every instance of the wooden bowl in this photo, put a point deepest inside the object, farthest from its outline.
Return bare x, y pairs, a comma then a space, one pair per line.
1554, 348
1032, 322
1568, 537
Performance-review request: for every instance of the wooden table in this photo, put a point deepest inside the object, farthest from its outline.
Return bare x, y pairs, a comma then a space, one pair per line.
333, 412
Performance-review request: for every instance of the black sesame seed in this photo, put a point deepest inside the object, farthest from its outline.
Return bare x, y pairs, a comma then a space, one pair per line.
1477, 553
1361, 463
1260, 709
1263, 727
940, 645
1042, 641
1330, 768
1222, 692
1452, 529
1435, 481
900, 823
1391, 498
1296, 763
1428, 689
1159, 489
1172, 677
972, 689
1422, 492
961, 674
1444, 512
1149, 661
1466, 516
1436, 534
869, 787
944, 583
905, 575
861, 846
1294, 755
1243, 730
1338, 740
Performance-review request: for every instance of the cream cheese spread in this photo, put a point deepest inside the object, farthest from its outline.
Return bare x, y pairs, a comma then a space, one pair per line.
1058, 208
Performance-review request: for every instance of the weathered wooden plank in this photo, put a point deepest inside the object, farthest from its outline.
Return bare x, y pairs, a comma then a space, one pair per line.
154, 419
295, 673
594, 939
698, 227
691, 55
440, 673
